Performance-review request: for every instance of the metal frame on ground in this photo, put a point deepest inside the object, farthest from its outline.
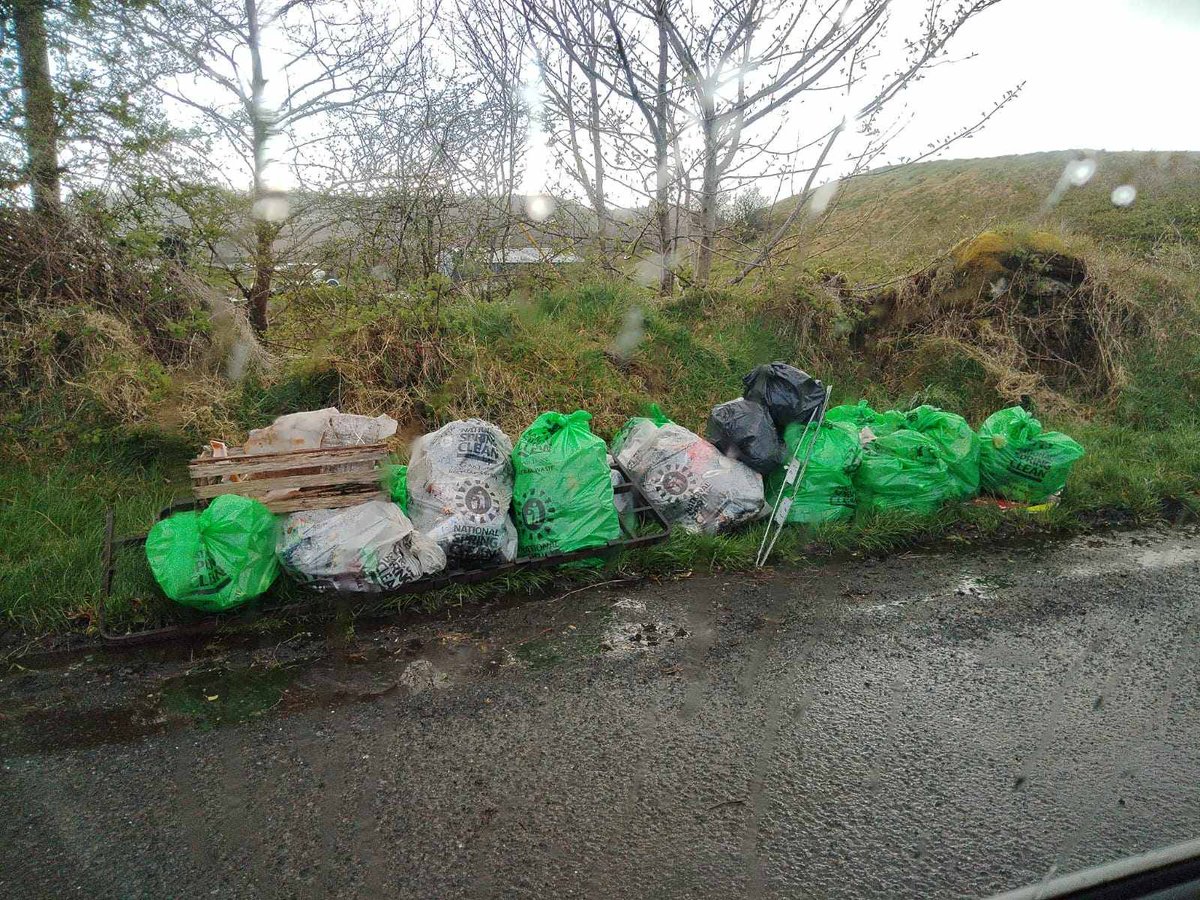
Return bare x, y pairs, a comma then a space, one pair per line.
659, 531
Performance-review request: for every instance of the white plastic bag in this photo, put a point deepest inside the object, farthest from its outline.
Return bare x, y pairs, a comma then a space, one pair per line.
639, 435
350, 430
368, 548
690, 481
460, 483
319, 428
296, 431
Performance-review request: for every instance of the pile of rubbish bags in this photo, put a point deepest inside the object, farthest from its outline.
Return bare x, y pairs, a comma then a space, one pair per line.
469, 497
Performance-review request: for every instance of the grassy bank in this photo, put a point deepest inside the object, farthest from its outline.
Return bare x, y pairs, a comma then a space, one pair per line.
426, 357
53, 515
54, 500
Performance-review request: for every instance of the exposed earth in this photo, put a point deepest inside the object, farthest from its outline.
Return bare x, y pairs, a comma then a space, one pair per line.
922, 726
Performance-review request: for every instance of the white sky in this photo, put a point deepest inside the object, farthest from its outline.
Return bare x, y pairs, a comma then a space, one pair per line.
1100, 74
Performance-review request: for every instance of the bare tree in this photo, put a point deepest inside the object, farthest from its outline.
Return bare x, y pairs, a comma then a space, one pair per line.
577, 103
630, 56
408, 171
748, 62
491, 42
318, 57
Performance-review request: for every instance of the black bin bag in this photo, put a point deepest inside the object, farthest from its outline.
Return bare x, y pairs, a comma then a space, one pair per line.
742, 430
789, 394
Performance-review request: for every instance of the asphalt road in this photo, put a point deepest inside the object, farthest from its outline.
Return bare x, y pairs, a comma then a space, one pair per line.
926, 726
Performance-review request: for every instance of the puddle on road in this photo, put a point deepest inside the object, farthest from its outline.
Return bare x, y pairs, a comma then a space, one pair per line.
624, 638
96, 698
123, 701
212, 699
47, 730
961, 587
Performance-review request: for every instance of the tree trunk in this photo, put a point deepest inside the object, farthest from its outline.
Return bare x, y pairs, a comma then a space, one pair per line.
264, 272
600, 202
41, 125
708, 202
264, 231
662, 180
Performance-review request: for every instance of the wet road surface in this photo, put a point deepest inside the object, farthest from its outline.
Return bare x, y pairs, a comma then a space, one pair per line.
922, 726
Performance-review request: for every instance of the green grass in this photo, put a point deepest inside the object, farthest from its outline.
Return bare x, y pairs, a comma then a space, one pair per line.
53, 516
509, 357
894, 220
1143, 459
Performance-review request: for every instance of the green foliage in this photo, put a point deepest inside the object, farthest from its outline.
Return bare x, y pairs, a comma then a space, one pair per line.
896, 220
108, 122
429, 353
304, 387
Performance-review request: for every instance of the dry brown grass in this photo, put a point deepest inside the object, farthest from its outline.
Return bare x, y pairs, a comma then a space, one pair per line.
1039, 320
85, 320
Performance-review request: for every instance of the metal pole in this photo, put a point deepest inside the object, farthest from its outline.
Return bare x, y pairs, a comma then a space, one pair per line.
794, 477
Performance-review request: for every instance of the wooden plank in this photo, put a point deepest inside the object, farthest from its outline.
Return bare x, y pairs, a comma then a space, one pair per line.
239, 453
285, 461
259, 486
293, 504
292, 461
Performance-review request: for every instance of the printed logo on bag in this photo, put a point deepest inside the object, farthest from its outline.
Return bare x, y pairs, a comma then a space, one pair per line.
1032, 466
675, 483
671, 483
479, 444
841, 496
537, 512
476, 501
396, 567
470, 544
207, 576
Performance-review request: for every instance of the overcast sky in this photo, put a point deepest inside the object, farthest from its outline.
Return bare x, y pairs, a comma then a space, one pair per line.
1100, 74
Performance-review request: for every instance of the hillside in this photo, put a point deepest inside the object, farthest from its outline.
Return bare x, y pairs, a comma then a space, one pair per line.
894, 220
1089, 312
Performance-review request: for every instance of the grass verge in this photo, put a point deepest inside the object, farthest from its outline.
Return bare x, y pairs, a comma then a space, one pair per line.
52, 514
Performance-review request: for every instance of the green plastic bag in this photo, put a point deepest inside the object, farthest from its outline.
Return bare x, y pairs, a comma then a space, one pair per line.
903, 470
654, 415
562, 489
861, 416
1019, 461
957, 444
397, 486
827, 492
215, 559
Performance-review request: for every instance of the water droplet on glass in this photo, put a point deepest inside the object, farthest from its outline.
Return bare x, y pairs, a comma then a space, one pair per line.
648, 271
539, 207
1075, 173
631, 333
822, 197
235, 362
272, 207
1080, 171
1124, 195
